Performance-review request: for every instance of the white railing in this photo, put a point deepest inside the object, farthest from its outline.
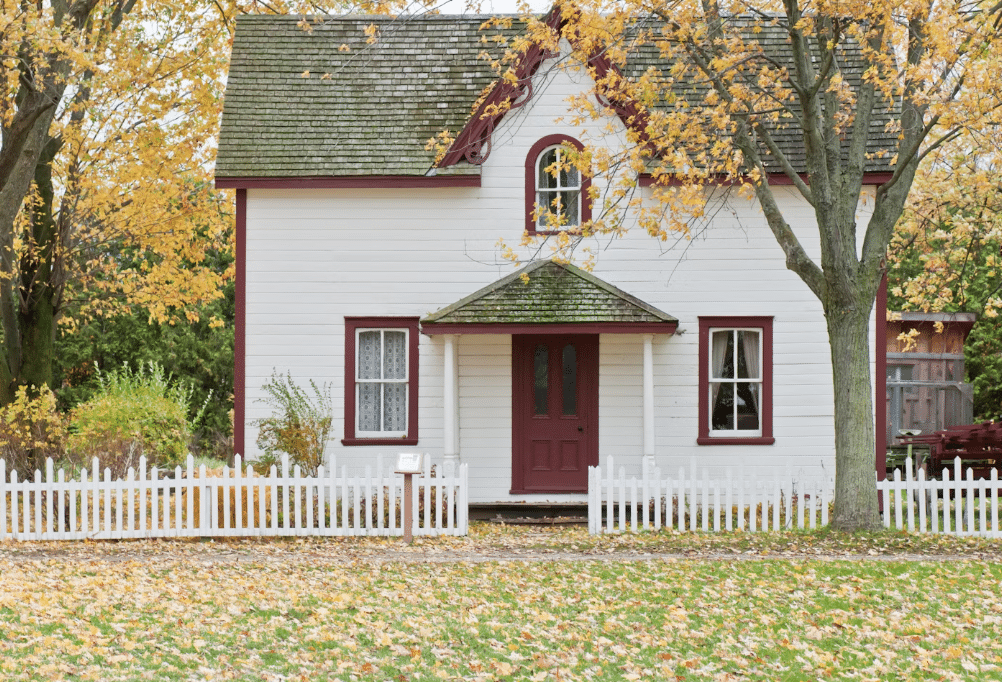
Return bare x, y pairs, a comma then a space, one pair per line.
954, 505
228, 503
693, 501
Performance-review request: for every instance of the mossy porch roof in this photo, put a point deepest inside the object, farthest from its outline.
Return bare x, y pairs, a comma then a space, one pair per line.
555, 293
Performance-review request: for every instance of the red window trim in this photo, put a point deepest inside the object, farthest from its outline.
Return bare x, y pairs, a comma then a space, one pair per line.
530, 181
705, 324
351, 325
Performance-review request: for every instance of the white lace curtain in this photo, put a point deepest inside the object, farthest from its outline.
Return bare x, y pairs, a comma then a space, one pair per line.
382, 381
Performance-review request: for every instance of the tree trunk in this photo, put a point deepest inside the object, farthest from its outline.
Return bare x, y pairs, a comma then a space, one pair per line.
31, 341
855, 492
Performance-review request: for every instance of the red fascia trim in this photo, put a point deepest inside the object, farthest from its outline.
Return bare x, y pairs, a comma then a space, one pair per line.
476, 133
240, 326
880, 394
583, 328
351, 182
350, 325
705, 323
776, 179
530, 181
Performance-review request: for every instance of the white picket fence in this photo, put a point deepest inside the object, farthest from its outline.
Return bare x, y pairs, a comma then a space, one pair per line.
953, 504
695, 502
230, 503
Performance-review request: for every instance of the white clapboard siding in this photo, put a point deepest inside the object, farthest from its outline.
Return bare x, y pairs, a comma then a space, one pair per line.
956, 504
317, 256
692, 501
233, 502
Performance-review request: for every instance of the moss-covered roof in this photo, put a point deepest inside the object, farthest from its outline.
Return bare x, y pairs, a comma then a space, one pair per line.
323, 102
554, 293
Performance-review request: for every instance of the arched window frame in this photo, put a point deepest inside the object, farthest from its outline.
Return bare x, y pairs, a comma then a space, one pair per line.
531, 161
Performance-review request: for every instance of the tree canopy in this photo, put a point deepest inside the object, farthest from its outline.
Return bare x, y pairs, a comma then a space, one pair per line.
913, 76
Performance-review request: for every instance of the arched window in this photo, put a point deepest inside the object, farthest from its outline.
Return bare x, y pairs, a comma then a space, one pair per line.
555, 184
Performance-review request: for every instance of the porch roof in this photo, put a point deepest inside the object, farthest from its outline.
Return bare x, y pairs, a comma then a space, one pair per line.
546, 297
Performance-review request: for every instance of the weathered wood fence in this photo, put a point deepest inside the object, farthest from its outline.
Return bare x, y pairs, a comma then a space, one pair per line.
692, 501
227, 503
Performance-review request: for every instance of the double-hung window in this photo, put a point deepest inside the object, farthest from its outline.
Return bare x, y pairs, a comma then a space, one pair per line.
380, 381
555, 188
735, 380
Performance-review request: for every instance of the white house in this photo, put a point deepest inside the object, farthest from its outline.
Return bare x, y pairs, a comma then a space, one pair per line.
362, 263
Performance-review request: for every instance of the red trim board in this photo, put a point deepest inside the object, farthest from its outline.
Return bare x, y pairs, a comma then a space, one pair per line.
775, 179
570, 328
350, 182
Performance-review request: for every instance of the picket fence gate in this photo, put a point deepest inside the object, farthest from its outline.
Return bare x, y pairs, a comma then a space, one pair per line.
228, 503
697, 502
954, 505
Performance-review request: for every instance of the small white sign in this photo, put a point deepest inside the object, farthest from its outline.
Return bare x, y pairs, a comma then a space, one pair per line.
409, 463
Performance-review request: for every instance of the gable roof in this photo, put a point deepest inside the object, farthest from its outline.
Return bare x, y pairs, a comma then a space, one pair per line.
372, 116
370, 110
555, 294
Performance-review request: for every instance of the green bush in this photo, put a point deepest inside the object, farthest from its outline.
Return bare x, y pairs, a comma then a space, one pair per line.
300, 424
133, 414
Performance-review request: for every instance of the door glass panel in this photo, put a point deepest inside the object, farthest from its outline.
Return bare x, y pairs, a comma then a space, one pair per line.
541, 375
570, 380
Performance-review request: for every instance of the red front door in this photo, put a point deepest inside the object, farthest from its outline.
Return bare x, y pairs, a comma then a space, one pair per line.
555, 412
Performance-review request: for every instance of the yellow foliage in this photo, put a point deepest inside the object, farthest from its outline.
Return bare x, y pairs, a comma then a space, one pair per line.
31, 429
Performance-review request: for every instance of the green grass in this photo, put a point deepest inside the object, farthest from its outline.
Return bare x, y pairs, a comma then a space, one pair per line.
335, 609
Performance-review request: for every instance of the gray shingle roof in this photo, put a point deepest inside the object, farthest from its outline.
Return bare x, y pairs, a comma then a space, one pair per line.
372, 116
554, 294
381, 103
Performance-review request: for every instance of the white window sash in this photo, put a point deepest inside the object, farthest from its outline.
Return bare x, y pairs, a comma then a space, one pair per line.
557, 191
760, 381
359, 433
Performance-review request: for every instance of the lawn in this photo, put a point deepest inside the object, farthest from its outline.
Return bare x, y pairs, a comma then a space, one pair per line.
493, 607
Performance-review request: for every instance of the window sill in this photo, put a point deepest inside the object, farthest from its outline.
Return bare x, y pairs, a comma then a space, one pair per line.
753, 440
573, 231
548, 491
379, 441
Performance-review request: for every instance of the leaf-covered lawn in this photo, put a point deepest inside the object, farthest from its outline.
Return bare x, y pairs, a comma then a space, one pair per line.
328, 609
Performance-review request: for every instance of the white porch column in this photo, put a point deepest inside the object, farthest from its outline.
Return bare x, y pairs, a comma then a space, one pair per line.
649, 400
450, 403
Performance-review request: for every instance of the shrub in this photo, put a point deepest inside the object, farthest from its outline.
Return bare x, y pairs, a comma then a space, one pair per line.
31, 429
300, 424
133, 414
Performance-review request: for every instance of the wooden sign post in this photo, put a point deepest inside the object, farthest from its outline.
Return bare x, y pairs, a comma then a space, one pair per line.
408, 464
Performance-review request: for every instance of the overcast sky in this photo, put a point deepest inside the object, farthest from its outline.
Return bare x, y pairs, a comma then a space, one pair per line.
494, 6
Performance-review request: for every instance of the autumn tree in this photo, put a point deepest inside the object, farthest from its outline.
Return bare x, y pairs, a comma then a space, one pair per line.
715, 105
106, 199
946, 254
